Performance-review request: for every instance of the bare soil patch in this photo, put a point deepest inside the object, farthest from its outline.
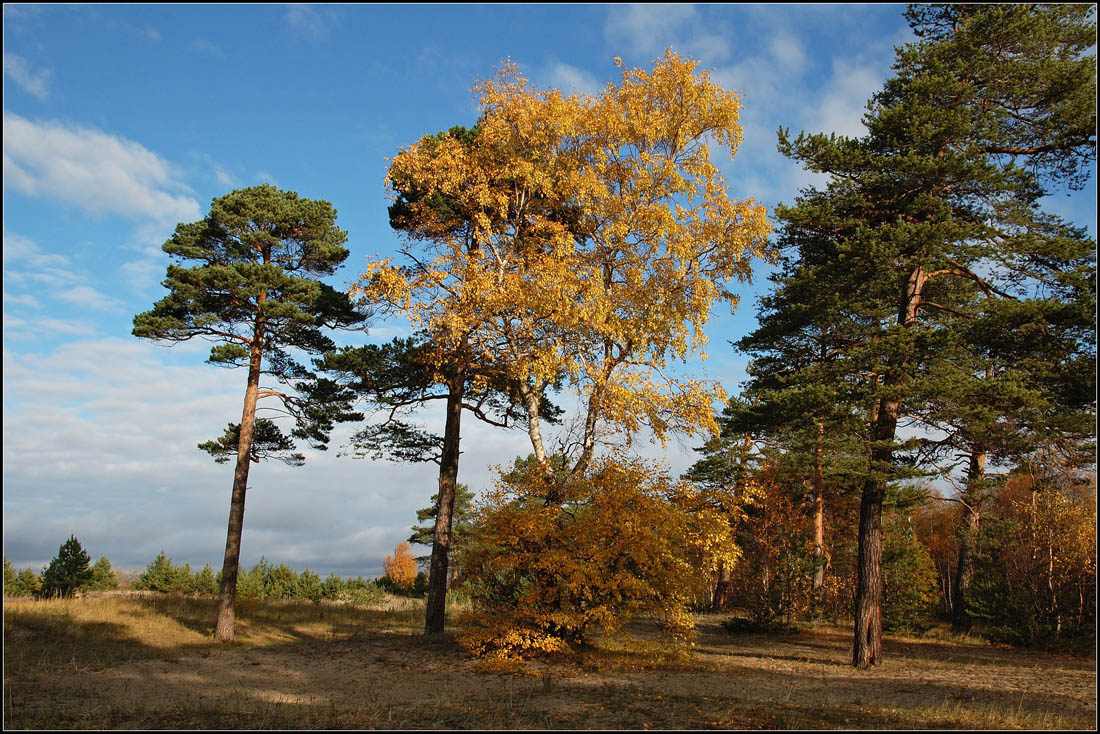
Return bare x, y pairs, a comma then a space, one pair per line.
298, 667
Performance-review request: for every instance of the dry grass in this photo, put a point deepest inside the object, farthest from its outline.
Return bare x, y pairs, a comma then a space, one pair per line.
150, 662
99, 631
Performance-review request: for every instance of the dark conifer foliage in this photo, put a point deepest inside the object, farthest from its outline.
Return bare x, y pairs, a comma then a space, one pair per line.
933, 220
68, 571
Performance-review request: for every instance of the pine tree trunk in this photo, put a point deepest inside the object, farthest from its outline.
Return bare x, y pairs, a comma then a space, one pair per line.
226, 620
819, 511
972, 514
448, 483
723, 589
867, 647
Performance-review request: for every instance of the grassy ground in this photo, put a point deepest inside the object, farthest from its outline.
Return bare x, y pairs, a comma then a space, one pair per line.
150, 662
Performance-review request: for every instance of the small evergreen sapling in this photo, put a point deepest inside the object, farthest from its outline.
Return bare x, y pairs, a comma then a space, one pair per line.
103, 576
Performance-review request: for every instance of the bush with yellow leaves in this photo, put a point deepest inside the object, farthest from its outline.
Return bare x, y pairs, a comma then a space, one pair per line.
399, 570
552, 560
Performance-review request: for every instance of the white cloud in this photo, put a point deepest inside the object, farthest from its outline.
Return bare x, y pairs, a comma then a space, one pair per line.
118, 419
21, 18
148, 237
306, 20
710, 48
26, 266
787, 51
650, 29
571, 80
224, 178
85, 296
20, 329
144, 274
35, 82
390, 331
767, 79
646, 29
24, 299
845, 101
13, 11
20, 249
95, 171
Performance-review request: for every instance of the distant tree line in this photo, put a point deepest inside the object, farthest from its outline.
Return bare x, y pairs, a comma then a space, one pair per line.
70, 572
263, 581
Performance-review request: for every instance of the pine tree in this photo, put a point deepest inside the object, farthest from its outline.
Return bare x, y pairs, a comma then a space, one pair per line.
255, 293
1020, 376
159, 575
68, 572
803, 397
936, 209
309, 585
268, 442
206, 582
332, 587
103, 576
281, 582
27, 583
437, 364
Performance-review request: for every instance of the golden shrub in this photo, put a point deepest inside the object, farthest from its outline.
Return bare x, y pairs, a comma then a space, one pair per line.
625, 541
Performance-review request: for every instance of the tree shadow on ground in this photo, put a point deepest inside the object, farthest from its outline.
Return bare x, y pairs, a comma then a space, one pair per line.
982, 654
378, 671
290, 620
833, 647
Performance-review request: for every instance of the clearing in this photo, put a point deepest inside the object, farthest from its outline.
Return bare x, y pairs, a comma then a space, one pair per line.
148, 662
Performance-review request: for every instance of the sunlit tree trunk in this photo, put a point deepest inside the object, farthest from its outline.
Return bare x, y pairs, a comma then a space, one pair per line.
226, 620
819, 511
532, 398
448, 483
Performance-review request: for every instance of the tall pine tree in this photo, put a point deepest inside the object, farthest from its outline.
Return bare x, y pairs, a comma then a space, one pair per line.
937, 209
254, 292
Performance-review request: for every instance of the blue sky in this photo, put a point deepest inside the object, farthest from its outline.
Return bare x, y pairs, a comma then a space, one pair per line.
121, 120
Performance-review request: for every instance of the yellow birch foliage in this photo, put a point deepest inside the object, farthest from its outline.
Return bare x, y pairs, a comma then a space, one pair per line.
578, 237
400, 568
624, 541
